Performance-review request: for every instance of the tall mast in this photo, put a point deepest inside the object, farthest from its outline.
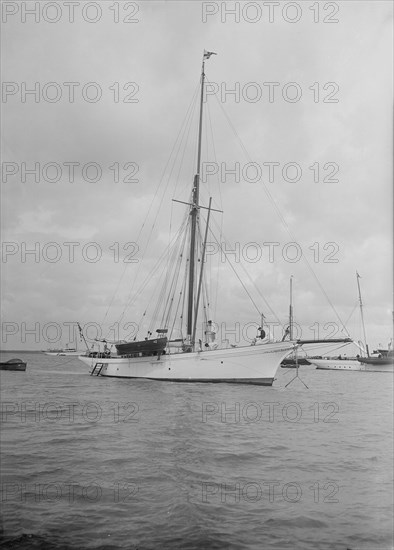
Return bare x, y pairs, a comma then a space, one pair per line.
361, 311
291, 309
201, 273
194, 210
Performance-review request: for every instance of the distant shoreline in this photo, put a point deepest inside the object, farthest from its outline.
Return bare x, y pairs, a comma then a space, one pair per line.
20, 351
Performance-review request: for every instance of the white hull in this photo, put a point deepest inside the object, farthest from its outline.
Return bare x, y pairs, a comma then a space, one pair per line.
249, 364
349, 364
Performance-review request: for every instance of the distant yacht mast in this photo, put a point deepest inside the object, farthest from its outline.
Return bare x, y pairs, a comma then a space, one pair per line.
291, 309
361, 312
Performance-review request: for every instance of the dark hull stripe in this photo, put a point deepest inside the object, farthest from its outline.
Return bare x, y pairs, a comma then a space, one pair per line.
253, 381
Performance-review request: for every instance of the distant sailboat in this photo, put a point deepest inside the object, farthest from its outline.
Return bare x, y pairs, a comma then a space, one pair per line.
294, 360
379, 361
63, 351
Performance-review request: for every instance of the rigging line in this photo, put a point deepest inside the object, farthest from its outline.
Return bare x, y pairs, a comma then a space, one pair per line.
177, 263
174, 250
170, 300
186, 139
236, 274
177, 145
205, 299
266, 190
328, 351
175, 316
172, 247
169, 238
180, 131
182, 141
183, 309
199, 249
220, 204
206, 147
206, 287
162, 290
181, 297
261, 294
226, 242
282, 219
160, 203
353, 310
162, 304
208, 110
150, 274
158, 210
132, 297
158, 305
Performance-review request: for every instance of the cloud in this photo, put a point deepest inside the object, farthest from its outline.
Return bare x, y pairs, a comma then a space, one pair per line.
161, 55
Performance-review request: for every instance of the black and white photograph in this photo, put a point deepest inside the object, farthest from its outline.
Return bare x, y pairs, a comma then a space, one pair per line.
196, 275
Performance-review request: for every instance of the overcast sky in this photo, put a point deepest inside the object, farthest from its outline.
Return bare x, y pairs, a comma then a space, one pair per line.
335, 116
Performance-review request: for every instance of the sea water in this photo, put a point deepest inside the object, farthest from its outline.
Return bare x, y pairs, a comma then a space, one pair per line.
91, 462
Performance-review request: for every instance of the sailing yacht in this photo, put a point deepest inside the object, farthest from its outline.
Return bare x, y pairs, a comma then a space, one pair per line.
166, 356
373, 363
378, 361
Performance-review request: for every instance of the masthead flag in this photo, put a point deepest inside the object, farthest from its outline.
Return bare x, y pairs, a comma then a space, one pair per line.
207, 55
359, 276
